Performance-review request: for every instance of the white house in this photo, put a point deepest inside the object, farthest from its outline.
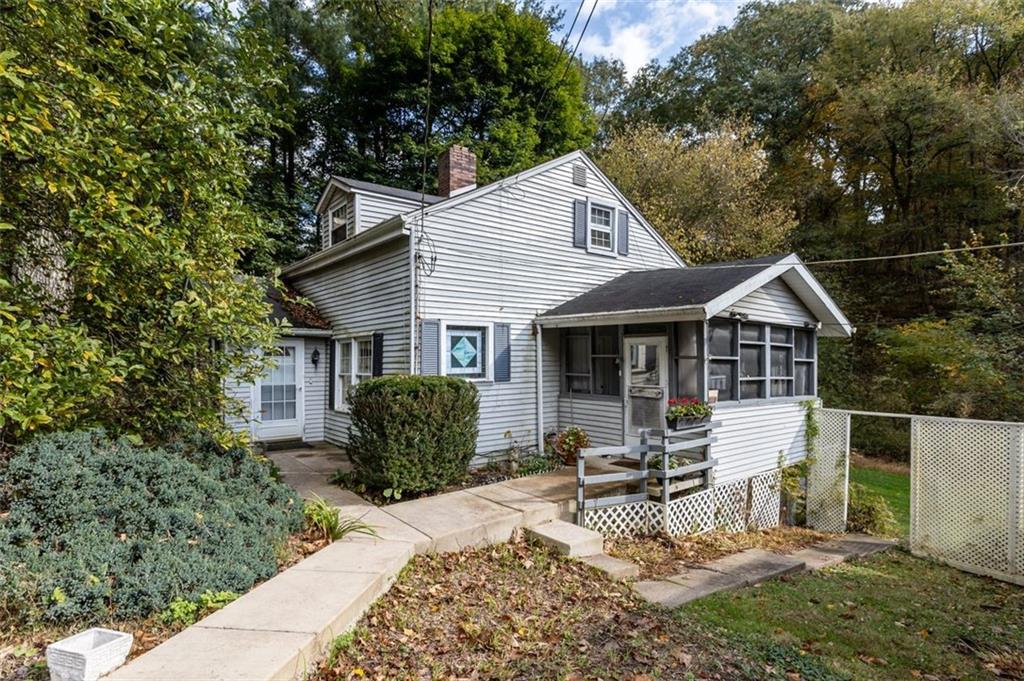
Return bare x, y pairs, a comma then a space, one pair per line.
554, 295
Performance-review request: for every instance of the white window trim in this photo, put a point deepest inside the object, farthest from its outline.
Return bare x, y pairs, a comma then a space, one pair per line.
488, 376
612, 251
340, 403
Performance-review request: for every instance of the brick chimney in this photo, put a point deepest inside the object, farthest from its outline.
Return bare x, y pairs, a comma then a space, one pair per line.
456, 171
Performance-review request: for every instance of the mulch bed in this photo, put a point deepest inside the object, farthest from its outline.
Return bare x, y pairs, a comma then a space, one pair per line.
663, 555
518, 611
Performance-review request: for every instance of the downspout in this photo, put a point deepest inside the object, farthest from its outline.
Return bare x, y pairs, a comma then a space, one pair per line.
412, 296
538, 334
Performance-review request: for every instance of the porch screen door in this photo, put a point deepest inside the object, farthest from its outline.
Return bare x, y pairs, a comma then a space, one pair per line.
280, 394
646, 362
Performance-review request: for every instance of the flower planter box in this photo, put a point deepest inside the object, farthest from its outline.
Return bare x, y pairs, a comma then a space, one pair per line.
687, 422
88, 655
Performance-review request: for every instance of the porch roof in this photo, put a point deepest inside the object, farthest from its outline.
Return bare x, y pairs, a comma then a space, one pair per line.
696, 293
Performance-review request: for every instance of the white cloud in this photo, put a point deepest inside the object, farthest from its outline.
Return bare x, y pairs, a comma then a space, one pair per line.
637, 31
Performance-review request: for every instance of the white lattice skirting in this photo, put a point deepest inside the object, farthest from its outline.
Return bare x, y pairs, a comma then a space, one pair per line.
742, 504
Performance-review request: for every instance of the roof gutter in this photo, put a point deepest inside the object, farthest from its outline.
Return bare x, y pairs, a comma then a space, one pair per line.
657, 314
375, 236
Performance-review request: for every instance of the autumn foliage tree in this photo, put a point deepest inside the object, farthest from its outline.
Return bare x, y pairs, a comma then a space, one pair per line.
123, 214
709, 197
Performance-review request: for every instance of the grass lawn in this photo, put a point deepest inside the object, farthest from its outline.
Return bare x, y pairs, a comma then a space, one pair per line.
889, 617
893, 485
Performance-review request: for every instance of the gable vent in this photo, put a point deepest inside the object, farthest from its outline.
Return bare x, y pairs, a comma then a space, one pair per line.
579, 174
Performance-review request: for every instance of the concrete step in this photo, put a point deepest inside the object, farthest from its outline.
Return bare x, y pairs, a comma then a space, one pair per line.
568, 539
615, 568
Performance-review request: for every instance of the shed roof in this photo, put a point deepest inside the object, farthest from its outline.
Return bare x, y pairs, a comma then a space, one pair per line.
667, 288
285, 307
698, 293
375, 188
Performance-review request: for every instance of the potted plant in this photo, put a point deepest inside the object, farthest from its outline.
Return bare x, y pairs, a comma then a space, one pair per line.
687, 411
569, 442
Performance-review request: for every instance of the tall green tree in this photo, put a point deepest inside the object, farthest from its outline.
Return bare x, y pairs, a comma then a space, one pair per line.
124, 213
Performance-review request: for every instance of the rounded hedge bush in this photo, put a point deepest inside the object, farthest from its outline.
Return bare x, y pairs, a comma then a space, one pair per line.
412, 434
98, 528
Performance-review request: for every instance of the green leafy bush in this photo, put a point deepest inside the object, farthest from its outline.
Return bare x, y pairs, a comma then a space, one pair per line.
182, 612
412, 434
569, 442
869, 512
97, 527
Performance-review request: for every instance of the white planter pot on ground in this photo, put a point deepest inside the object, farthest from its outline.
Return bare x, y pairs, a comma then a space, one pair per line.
88, 655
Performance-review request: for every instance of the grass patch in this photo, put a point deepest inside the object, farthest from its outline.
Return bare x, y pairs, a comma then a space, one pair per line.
892, 616
893, 486
518, 611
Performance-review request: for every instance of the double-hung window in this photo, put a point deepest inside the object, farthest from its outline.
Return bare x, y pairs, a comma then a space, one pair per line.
600, 228
466, 353
353, 361
340, 223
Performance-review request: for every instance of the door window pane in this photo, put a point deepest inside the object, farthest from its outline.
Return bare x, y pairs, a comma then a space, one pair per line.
645, 412
643, 365
277, 386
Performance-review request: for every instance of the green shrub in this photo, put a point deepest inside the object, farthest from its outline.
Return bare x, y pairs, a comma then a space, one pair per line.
869, 512
412, 434
98, 528
182, 612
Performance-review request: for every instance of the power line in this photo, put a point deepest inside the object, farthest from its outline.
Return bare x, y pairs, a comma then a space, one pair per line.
561, 51
571, 58
918, 254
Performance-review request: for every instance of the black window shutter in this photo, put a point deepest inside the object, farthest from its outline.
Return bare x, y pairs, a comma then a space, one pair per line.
623, 240
430, 347
332, 370
378, 354
579, 233
502, 354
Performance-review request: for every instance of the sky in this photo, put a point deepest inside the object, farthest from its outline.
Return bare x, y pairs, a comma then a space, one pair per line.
637, 31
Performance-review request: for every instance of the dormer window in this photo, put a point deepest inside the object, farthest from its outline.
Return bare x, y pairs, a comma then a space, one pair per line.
599, 228
340, 223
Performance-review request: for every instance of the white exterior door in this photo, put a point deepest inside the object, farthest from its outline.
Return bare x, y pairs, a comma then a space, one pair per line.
278, 401
646, 399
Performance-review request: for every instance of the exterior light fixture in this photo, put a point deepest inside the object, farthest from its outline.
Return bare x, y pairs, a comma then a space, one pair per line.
315, 357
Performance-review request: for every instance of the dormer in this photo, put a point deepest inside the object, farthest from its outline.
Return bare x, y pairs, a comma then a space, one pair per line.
348, 207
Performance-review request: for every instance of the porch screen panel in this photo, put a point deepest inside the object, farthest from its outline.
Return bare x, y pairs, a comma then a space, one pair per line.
689, 366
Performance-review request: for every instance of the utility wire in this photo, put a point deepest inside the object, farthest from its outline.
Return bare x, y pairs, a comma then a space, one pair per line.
561, 51
428, 242
572, 56
918, 254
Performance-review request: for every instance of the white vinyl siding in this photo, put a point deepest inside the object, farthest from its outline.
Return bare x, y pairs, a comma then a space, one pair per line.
508, 256
774, 302
600, 417
751, 438
375, 208
360, 296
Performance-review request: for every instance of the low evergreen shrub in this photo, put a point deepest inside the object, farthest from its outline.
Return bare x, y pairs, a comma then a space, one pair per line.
95, 528
412, 434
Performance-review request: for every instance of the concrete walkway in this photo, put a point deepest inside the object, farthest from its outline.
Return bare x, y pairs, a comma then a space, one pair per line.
754, 566
282, 628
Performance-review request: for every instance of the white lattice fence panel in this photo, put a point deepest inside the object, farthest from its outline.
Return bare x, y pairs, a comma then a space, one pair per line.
730, 502
692, 514
967, 494
765, 500
828, 478
620, 520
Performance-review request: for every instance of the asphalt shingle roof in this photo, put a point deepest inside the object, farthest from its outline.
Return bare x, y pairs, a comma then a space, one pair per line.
406, 194
667, 288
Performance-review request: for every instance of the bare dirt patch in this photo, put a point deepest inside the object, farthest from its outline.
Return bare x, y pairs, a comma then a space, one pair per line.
517, 611
663, 555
